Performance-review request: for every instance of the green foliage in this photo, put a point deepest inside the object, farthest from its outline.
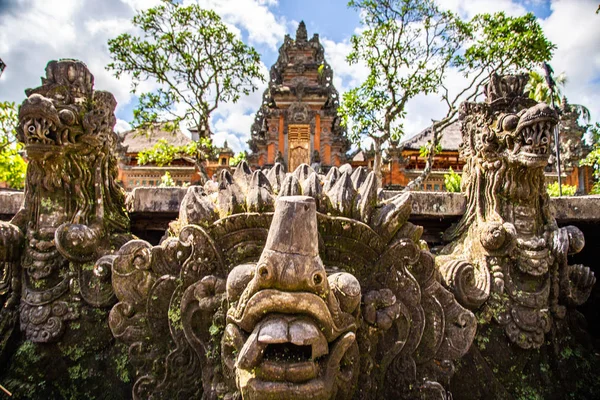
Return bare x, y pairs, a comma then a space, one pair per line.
452, 181
163, 153
567, 190
408, 46
166, 180
194, 57
235, 160
593, 157
424, 150
504, 44
539, 90
12, 165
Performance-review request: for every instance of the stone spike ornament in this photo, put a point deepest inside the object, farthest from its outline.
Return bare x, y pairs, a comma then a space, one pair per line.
74, 211
507, 254
293, 298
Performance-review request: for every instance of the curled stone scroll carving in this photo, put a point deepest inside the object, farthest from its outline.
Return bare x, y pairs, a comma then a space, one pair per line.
507, 254
288, 285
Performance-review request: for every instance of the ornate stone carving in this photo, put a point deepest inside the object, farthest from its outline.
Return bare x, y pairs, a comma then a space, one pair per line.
73, 212
332, 296
507, 252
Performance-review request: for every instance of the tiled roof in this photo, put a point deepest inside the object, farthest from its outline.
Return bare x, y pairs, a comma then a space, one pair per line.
137, 140
451, 138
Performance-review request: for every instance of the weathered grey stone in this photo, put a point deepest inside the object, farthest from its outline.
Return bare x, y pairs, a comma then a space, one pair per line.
250, 321
155, 199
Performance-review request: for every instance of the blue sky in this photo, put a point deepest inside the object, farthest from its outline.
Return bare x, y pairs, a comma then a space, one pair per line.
81, 28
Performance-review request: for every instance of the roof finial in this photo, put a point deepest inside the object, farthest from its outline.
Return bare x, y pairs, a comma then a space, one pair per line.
301, 35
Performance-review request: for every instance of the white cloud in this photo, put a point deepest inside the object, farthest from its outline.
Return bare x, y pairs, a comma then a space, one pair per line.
578, 52
254, 16
122, 126
469, 8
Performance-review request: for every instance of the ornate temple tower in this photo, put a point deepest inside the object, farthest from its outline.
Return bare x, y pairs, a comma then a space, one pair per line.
297, 121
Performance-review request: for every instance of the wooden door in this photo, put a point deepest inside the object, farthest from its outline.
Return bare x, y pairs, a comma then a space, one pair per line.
298, 146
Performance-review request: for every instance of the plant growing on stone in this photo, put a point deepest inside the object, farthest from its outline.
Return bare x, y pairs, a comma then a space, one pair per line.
166, 180
12, 165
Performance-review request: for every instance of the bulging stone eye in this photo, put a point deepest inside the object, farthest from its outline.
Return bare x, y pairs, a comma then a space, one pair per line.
67, 117
31, 129
509, 122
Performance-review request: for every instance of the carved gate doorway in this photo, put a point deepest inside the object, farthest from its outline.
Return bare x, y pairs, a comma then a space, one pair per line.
298, 146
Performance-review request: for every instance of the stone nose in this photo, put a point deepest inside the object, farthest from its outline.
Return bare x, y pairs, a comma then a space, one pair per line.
291, 272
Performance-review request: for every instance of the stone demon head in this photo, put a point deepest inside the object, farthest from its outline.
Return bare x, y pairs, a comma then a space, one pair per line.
331, 296
73, 211
507, 251
287, 323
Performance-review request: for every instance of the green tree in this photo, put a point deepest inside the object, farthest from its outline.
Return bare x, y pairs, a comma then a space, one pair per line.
197, 62
539, 91
12, 165
163, 153
408, 47
235, 160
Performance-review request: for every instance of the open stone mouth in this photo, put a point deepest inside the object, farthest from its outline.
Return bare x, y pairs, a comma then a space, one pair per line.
284, 348
534, 146
43, 131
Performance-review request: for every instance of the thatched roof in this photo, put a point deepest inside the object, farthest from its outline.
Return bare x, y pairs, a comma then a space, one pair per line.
450, 141
137, 140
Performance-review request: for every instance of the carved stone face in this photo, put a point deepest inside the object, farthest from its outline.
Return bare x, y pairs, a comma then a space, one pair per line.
530, 143
287, 335
58, 113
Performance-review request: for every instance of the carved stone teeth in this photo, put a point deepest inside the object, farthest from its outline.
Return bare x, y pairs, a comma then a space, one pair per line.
242, 175
276, 176
366, 198
358, 177
259, 196
312, 187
